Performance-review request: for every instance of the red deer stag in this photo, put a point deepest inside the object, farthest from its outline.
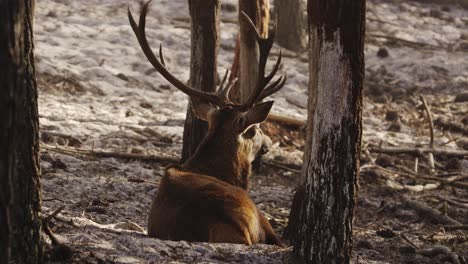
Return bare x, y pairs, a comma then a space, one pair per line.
205, 199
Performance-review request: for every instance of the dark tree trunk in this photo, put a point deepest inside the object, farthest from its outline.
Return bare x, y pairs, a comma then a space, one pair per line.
258, 11
291, 24
205, 16
324, 214
19, 141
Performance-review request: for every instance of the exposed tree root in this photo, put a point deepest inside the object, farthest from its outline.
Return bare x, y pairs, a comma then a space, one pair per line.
429, 212
59, 251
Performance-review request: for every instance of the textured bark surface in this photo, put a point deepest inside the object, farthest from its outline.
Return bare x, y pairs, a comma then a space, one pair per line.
19, 141
205, 15
291, 22
258, 11
331, 159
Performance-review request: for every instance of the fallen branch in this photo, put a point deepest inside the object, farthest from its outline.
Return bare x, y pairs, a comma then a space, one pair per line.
284, 166
414, 188
451, 181
449, 201
445, 124
110, 154
290, 121
455, 227
405, 42
116, 228
419, 151
427, 211
438, 250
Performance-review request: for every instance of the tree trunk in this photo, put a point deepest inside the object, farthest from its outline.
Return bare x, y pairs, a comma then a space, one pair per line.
291, 24
258, 11
20, 200
325, 213
205, 15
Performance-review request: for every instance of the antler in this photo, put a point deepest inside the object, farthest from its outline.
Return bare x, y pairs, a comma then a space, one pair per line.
261, 89
219, 98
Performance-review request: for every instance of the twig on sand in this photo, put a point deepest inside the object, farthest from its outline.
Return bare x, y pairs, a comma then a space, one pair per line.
110, 154
431, 123
431, 129
427, 211
438, 250
404, 237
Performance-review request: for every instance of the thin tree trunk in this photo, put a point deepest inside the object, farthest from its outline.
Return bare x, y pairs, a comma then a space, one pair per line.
205, 15
324, 214
20, 200
291, 24
258, 11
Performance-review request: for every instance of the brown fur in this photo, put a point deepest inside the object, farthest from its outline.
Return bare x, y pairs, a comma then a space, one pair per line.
205, 199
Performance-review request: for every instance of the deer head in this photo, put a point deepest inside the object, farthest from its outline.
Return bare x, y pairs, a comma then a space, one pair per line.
233, 138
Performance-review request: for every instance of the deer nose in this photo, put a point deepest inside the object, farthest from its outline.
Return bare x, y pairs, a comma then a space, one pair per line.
266, 145
264, 149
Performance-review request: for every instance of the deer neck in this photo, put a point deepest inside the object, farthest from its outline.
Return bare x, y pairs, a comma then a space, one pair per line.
223, 161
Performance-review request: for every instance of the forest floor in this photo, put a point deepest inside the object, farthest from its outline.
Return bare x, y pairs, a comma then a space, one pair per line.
104, 112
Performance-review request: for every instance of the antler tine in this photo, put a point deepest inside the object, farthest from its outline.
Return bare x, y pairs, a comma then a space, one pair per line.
227, 91
139, 31
265, 45
252, 25
221, 86
275, 68
161, 56
274, 87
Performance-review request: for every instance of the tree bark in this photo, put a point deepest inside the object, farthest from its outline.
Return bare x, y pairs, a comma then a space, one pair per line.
258, 11
291, 22
20, 201
325, 211
205, 15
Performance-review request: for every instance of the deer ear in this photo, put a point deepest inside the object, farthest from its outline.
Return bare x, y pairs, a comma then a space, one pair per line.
257, 114
202, 110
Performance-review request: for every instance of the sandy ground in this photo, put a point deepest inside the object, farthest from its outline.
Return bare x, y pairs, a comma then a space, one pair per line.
97, 91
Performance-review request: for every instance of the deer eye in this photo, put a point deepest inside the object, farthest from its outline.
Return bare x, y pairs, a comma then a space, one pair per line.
250, 133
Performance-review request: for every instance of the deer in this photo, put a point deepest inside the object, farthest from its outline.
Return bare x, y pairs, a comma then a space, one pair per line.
205, 199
